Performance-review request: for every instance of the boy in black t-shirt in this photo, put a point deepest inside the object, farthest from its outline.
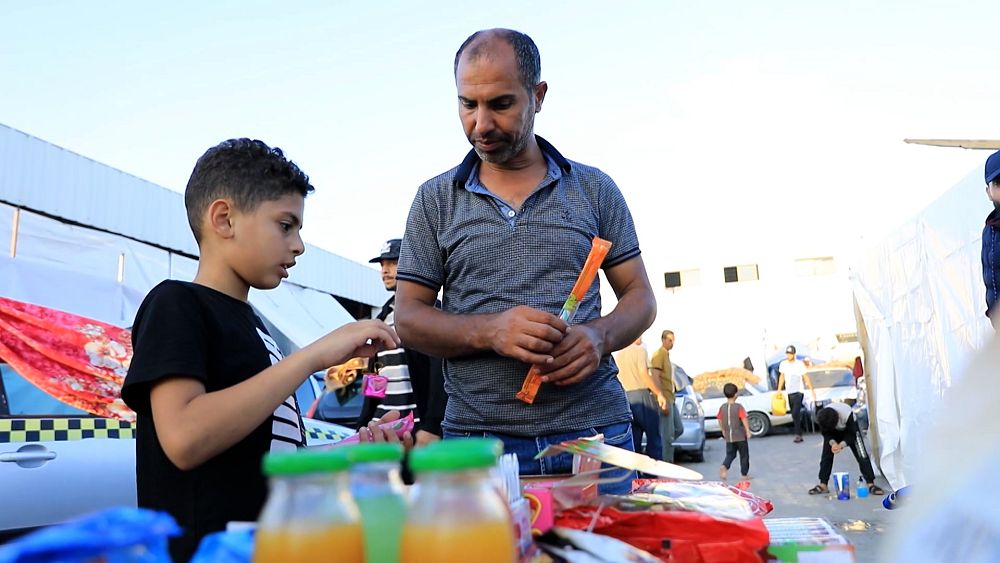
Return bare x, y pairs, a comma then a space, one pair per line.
211, 389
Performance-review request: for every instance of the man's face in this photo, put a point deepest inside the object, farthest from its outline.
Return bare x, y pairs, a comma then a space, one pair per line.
993, 191
668, 342
790, 356
497, 112
389, 274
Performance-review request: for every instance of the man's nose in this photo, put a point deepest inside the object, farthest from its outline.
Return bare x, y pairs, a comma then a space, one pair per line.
484, 120
298, 247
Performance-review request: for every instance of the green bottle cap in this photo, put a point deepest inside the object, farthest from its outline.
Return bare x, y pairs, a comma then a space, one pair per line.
457, 454
368, 453
302, 462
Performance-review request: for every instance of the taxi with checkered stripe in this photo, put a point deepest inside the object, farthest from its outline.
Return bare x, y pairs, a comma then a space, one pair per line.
58, 462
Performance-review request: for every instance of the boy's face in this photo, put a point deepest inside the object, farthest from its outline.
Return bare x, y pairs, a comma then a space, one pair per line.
266, 241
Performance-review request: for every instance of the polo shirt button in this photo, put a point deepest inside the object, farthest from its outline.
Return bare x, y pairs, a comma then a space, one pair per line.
511, 213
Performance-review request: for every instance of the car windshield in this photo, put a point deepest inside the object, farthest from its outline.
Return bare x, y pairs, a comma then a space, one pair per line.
831, 378
714, 391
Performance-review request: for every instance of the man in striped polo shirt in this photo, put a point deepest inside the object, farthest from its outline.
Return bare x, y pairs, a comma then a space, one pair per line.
505, 234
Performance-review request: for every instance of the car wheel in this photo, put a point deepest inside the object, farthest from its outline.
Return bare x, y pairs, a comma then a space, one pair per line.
698, 456
759, 423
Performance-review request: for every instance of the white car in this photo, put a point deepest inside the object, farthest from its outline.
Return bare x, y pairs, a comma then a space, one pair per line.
58, 462
830, 385
757, 403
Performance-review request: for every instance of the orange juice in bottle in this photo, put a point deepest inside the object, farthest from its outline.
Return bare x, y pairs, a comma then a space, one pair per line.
309, 515
456, 513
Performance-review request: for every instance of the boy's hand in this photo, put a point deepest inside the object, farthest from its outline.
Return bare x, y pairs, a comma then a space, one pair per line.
373, 433
357, 339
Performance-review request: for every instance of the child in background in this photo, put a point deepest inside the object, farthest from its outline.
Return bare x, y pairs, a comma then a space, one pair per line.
736, 431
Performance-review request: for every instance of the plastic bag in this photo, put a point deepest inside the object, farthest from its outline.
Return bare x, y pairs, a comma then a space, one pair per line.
708, 497
778, 405
117, 535
225, 547
675, 535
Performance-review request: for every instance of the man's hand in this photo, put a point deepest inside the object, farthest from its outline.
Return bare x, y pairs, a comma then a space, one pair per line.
836, 448
664, 404
424, 437
575, 358
526, 334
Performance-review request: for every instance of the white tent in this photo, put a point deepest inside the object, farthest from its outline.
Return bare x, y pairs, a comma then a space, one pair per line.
91, 240
920, 306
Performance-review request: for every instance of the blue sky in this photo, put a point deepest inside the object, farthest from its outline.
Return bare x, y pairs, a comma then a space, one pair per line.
733, 128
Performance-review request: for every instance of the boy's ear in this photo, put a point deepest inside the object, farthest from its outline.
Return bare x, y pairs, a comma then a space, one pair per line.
220, 218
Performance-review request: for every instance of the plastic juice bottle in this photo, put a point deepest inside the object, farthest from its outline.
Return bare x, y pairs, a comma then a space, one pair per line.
309, 514
377, 488
456, 513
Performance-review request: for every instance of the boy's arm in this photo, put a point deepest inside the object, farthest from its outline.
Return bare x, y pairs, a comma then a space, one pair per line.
746, 424
194, 426
722, 427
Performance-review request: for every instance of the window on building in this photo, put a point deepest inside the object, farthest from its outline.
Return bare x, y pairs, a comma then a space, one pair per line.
741, 273
682, 278
822, 266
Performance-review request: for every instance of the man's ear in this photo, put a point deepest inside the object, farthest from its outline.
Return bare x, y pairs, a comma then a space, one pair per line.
540, 89
220, 218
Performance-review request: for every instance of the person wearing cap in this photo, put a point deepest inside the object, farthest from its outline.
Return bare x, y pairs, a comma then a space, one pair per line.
414, 380
991, 238
793, 379
505, 235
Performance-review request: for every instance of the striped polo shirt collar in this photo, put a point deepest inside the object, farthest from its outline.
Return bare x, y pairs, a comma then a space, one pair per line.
471, 162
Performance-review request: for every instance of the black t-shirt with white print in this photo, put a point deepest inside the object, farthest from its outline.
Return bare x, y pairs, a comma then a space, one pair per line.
185, 329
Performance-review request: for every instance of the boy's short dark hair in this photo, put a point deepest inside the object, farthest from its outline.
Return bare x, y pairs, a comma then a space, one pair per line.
827, 418
245, 170
729, 390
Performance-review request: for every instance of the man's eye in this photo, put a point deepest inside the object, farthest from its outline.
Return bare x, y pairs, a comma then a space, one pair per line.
286, 226
468, 105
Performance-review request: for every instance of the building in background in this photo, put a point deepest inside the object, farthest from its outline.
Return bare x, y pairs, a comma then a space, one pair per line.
88, 239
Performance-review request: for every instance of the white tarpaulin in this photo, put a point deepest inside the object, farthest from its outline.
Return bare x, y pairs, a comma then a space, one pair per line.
920, 296
301, 314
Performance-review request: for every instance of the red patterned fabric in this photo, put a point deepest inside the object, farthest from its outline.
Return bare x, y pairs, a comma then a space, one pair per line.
79, 361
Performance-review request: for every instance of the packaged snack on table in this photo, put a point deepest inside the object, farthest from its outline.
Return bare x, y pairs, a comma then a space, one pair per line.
309, 514
710, 497
456, 513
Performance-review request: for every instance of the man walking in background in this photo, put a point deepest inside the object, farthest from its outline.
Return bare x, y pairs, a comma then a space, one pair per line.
671, 425
793, 379
644, 396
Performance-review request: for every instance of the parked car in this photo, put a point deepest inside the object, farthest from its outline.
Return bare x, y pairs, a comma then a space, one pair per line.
839, 385
692, 441
58, 462
757, 403
342, 406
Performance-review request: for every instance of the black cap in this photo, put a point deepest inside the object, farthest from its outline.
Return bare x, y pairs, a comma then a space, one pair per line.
790, 350
390, 251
